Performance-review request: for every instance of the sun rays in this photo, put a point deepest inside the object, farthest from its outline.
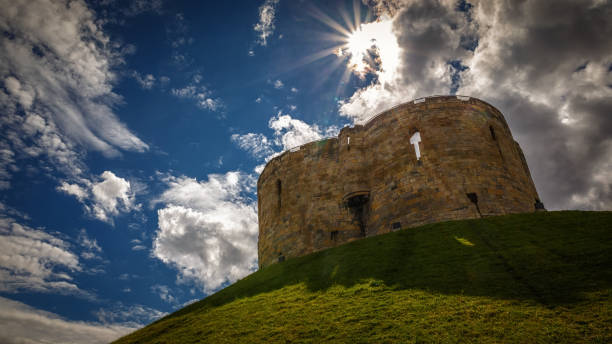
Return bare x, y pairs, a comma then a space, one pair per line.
361, 46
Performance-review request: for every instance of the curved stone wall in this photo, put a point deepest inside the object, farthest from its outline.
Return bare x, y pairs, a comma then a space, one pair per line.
429, 160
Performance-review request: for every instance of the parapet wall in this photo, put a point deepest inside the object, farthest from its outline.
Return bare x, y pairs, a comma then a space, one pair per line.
369, 180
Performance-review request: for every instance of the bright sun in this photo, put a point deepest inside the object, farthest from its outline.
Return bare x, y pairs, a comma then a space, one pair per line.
377, 38
364, 48
358, 45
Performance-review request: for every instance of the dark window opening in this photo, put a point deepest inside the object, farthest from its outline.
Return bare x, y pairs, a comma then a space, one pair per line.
278, 193
492, 132
539, 205
281, 258
396, 225
473, 197
334, 235
358, 205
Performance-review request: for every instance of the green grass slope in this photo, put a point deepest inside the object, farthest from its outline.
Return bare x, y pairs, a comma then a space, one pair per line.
528, 278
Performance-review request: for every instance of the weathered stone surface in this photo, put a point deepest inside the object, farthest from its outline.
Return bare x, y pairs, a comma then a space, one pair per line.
368, 180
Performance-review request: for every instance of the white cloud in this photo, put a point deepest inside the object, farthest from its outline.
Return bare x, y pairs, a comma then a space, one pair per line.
265, 26
91, 248
259, 168
294, 90
25, 95
388, 87
33, 260
278, 84
110, 196
132, 316
56, 59
187, 91
20, 323
104, 198
256, 144
57, 100
75, 190
7, 165
290, 132
145, 81
201, 95
258, 100
187, 303
208, 229
164, 293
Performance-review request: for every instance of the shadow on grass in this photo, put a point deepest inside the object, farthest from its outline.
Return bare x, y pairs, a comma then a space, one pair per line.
549, 258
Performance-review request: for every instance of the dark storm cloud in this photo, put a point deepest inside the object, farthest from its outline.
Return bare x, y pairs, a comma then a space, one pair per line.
429, 33
544, 64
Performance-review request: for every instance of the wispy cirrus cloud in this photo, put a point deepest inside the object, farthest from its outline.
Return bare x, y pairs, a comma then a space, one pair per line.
58, 76
146, 81
129, 316
257, 145
164, 293
91, 249
201, 95
265, 27
36, 261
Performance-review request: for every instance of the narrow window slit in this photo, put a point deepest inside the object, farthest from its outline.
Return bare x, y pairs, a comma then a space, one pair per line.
415, 139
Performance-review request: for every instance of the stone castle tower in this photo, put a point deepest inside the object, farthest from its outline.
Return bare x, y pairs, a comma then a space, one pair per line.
429, 160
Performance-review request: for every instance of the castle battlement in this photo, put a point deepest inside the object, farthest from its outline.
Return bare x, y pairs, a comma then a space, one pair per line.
428, 160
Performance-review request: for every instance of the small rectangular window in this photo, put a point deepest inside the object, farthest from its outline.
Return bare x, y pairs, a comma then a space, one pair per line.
334, 235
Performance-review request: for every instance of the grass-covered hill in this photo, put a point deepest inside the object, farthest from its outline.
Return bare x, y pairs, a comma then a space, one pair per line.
529, 278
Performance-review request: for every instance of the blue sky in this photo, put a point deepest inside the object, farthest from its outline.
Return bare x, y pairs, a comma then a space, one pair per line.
133, 132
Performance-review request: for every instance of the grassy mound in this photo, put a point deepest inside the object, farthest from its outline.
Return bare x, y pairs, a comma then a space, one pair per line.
528, 278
